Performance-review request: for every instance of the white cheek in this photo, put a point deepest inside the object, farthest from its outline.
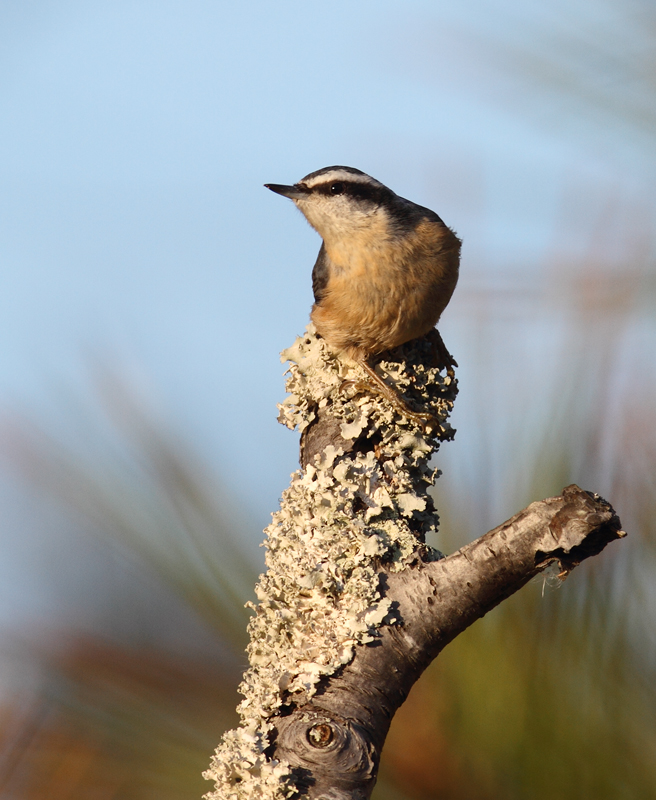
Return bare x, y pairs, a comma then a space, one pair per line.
338, 227
334, 219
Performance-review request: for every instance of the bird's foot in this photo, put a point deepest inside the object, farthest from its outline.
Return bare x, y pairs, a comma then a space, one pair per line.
427, 422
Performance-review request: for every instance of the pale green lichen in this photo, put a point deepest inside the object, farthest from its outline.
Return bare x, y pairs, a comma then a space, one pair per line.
340, 520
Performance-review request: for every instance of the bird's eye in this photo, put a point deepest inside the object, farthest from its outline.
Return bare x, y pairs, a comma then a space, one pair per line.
336, 188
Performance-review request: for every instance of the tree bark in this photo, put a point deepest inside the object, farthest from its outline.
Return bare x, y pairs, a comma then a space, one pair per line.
334, 742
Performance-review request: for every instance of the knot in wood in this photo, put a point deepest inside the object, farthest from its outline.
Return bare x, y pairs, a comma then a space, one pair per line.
326, 750
320, 735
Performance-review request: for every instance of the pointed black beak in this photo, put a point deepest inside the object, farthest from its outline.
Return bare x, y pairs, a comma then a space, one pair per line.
293, 192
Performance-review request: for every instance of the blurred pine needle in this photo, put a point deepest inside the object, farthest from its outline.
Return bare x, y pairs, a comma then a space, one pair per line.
118, 719
143, 488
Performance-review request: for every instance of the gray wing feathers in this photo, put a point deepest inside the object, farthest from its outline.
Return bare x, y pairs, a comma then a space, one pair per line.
320, 275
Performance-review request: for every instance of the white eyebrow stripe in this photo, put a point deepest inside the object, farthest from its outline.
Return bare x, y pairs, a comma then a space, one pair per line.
340, 175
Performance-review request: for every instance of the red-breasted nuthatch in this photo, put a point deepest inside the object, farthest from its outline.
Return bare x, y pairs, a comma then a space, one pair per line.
386, 269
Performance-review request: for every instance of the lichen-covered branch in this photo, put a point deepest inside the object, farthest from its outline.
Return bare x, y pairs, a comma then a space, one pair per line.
354, 605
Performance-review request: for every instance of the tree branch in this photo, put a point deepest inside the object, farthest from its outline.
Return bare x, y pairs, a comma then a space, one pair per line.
436, 601
354, 605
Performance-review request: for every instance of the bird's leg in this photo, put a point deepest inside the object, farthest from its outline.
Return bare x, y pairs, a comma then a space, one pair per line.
378, 385
441, 356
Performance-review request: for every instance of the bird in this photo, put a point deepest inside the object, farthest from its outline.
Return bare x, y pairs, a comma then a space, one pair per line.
385, 272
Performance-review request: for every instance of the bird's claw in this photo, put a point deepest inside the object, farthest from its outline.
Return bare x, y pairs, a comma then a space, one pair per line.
361, 387
427, 422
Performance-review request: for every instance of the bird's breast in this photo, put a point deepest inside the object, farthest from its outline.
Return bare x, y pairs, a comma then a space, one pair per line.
383, 290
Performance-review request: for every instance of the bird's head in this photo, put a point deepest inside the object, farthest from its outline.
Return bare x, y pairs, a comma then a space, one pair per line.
340, 202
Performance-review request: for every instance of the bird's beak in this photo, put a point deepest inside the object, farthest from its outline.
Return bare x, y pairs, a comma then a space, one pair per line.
293, 192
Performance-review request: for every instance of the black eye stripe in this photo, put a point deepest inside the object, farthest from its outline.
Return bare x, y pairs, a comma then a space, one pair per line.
327, 188
356, 189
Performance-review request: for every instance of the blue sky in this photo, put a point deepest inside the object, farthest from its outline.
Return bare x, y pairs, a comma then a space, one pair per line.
134, 229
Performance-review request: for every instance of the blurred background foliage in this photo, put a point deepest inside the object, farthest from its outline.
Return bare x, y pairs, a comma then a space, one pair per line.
123, 691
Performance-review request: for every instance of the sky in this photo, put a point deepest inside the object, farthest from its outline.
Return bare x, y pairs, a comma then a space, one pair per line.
135, 232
